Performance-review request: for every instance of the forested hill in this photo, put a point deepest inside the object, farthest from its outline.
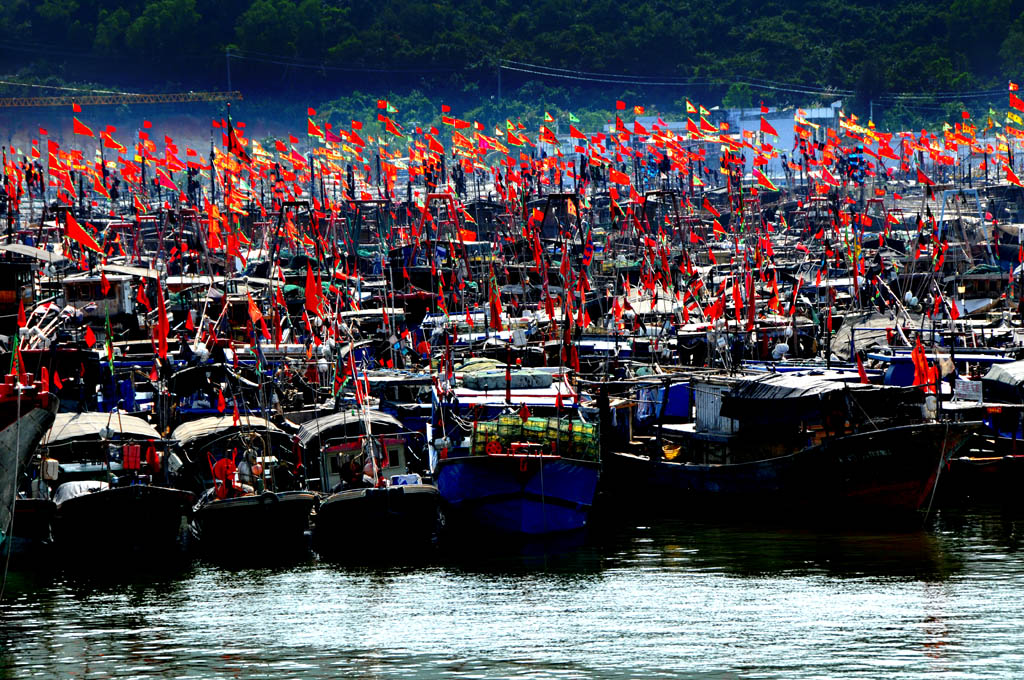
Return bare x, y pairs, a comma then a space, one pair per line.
783, 51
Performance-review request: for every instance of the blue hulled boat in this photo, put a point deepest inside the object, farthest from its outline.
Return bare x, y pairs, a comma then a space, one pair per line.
518, 493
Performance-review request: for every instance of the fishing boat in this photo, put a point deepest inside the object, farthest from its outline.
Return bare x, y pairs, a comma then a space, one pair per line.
367, 481
814, 444
112, 487
26, 411
530, 476
255, 500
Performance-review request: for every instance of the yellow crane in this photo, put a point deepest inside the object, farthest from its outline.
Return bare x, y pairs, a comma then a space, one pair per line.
119, 98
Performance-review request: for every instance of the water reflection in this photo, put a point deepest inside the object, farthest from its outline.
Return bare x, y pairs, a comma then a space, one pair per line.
674, 599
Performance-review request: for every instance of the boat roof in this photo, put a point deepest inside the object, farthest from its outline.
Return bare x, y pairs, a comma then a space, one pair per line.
30, 251
203, 427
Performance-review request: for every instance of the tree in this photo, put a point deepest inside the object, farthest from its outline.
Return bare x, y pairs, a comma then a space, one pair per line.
738, 96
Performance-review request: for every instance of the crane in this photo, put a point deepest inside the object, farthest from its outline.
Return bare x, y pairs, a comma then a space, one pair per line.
119, 98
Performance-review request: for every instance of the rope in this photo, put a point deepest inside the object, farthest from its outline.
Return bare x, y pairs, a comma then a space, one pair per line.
938, 473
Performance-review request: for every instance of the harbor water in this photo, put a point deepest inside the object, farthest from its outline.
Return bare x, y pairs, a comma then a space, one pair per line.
677, 599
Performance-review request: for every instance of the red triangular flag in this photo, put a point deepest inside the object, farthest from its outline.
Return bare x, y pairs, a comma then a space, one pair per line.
22, 321
90, 337
221, 404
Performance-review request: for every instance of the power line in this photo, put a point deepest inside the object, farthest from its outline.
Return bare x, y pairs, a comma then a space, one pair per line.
64, 88
317, 66
692, 83
676, 81
721, 80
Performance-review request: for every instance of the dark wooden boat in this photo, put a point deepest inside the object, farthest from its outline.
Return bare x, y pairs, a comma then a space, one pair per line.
404, 517
270, 522
887, 473
806, 444
402, 509
120, 519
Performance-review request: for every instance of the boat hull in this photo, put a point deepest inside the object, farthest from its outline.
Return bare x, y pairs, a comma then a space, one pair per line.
886, 473
18, 442
269, 523
525, 495
123, 519
405, 518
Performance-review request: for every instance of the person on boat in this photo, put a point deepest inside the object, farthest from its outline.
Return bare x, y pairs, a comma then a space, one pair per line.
284, 478
246, 475
351, 476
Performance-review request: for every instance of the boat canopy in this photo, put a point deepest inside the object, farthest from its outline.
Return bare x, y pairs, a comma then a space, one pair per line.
1005, 382
194, 430
78, 426
791, 397
345, 423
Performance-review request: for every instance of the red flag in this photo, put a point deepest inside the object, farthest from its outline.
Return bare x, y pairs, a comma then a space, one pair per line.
924, 179
163, 326
618, 177
235, 419
80, 129
620, 105
710, 208
861, 372
221, 404
954, 312
767, 128
56, 380
90, 337
1011, 176
1016, 102
75, 232
312, 291
22, 321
